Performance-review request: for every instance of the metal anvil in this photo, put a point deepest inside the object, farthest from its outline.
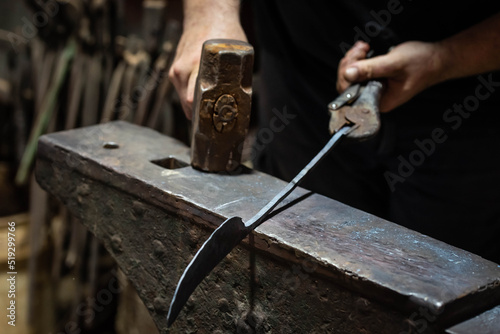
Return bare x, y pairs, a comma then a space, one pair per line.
317, 266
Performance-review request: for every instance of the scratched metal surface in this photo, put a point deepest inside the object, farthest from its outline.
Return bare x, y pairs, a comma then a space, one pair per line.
485, 323
355, 249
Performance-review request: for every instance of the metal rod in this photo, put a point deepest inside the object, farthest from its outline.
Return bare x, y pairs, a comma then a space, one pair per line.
256, 220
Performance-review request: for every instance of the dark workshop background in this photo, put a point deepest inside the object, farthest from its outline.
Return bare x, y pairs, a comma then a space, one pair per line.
66, 64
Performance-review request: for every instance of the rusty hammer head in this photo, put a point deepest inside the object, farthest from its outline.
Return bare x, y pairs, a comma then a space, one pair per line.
222, 103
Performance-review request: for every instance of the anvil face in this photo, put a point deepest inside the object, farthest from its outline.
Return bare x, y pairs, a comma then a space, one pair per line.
318, 266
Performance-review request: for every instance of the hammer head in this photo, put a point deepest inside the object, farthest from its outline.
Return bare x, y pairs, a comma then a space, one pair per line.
222, 104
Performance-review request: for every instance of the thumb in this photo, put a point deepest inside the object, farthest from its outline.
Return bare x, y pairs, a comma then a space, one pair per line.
191, 87
373, 68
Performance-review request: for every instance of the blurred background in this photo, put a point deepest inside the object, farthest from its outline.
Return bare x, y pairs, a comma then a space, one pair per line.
67, 64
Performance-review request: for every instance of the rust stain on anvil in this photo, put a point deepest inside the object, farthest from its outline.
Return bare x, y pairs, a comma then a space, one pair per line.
379, 260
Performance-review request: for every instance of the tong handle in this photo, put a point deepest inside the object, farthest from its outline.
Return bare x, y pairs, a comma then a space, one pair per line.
363, 113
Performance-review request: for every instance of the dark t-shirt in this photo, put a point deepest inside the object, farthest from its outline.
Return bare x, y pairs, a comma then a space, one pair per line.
457, 178
308, 38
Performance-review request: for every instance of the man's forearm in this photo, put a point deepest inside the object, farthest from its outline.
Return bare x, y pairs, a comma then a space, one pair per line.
209, 12
473, 51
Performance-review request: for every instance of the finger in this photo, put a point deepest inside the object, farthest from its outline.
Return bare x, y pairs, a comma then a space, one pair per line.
175, 77
373, 68
362, 45
357, 52
342, 85
191, 86
359, 46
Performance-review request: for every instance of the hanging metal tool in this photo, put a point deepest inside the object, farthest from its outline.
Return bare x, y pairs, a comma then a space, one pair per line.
354, 114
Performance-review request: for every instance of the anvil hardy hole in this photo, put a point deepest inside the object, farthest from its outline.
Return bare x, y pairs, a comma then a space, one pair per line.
170, 163
110, 145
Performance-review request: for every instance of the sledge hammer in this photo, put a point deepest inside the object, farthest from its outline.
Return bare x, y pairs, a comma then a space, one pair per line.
222, 104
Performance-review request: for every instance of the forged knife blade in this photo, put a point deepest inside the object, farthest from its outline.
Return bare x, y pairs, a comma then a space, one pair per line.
351, 117
231, 232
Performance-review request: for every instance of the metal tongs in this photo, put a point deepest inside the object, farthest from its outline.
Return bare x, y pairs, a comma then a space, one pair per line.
358, 106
